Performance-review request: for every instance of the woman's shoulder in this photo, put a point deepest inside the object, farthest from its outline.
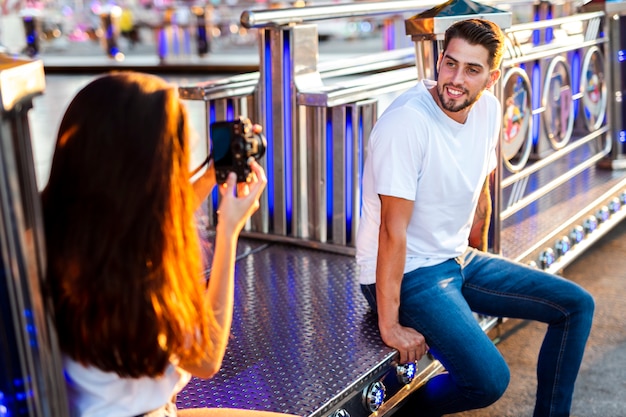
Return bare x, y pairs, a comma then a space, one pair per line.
93, 392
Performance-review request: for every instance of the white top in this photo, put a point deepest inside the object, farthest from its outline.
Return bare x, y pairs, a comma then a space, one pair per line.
94, 393
418, 153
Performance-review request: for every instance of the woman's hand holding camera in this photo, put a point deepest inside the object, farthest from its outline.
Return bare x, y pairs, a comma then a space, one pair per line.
240, 201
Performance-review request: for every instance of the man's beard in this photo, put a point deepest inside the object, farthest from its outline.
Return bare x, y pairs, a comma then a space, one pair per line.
451, 105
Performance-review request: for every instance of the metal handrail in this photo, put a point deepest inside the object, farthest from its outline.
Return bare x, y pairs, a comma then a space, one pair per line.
295, 15
291, 15
361, 89
245, 84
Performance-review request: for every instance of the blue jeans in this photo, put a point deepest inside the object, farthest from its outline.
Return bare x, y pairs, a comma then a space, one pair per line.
438, 302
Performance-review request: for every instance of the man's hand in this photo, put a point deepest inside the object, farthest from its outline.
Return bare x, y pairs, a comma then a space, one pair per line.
407, 341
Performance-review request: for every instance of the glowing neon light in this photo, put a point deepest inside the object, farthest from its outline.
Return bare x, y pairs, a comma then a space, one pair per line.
175, 45
576, 79
360, 167
162, 44
549, 30
329, 168
288, 139
230, 109
269, 124
349, 170
536, 32
215, 193
4, 409
187, 42
536, 88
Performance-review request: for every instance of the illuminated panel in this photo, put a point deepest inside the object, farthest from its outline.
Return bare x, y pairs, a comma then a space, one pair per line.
576, 80
269, 125
349, 169
329, 167
288, 131
162, 43
215, 192
536, 32
109, 36
549, 30
230, 109
175, 41
360, 156
187, 42
536, 87
31, 34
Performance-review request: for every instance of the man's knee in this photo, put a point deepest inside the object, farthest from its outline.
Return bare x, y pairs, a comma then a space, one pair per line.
492, 386
587, 303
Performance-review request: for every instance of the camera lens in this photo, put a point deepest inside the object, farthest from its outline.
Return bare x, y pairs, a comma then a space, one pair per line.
256, 146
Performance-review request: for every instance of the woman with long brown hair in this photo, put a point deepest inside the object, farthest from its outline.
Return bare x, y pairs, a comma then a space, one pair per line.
135, 317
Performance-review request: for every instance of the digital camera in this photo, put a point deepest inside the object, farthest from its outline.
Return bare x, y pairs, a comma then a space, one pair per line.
233, 142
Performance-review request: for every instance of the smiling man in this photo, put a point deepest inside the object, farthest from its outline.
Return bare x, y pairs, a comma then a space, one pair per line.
425, 211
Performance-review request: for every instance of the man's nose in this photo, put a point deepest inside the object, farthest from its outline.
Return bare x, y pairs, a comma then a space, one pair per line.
458, 77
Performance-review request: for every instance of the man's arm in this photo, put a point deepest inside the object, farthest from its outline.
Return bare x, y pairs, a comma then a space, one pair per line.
395, 216
480, 227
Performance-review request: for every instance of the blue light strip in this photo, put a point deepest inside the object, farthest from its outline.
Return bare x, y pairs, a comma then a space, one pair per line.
230, 109
269, 124
349, 170
329, 168
536, 87
175, 41
360, 162
288, 139
4, 406
536, 32
187, 42
162, 43
576, 76
215, 192
549, 30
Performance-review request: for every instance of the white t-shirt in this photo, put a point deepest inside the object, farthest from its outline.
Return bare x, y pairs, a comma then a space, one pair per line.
418, 153
94, 393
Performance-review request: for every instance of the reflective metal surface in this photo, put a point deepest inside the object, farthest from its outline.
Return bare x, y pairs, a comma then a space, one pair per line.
303, 337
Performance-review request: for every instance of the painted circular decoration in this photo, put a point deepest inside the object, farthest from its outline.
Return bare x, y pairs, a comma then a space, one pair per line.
593, 87
516, 118
558, 117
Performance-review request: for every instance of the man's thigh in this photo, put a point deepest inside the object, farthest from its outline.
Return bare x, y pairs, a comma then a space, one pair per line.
432, 303
499, 287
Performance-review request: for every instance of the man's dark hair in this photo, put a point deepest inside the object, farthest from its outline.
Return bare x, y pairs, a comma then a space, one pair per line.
479, 32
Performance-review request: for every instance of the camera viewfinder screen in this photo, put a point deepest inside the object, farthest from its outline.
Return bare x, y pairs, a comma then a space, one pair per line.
221, 137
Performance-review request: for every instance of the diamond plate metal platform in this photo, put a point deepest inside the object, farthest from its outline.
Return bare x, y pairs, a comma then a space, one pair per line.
303, 334
536, 227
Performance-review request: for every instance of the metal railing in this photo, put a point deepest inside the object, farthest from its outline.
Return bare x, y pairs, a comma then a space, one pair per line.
317, 116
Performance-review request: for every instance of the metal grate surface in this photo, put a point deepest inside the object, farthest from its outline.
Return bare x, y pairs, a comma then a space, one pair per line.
539, 219
302, 332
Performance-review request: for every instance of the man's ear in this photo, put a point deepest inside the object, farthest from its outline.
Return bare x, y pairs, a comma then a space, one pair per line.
439, 58
494, 76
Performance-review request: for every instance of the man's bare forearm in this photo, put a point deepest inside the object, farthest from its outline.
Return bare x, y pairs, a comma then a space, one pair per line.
480, 226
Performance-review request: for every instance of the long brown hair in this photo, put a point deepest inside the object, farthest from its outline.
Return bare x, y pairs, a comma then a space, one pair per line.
124, 266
